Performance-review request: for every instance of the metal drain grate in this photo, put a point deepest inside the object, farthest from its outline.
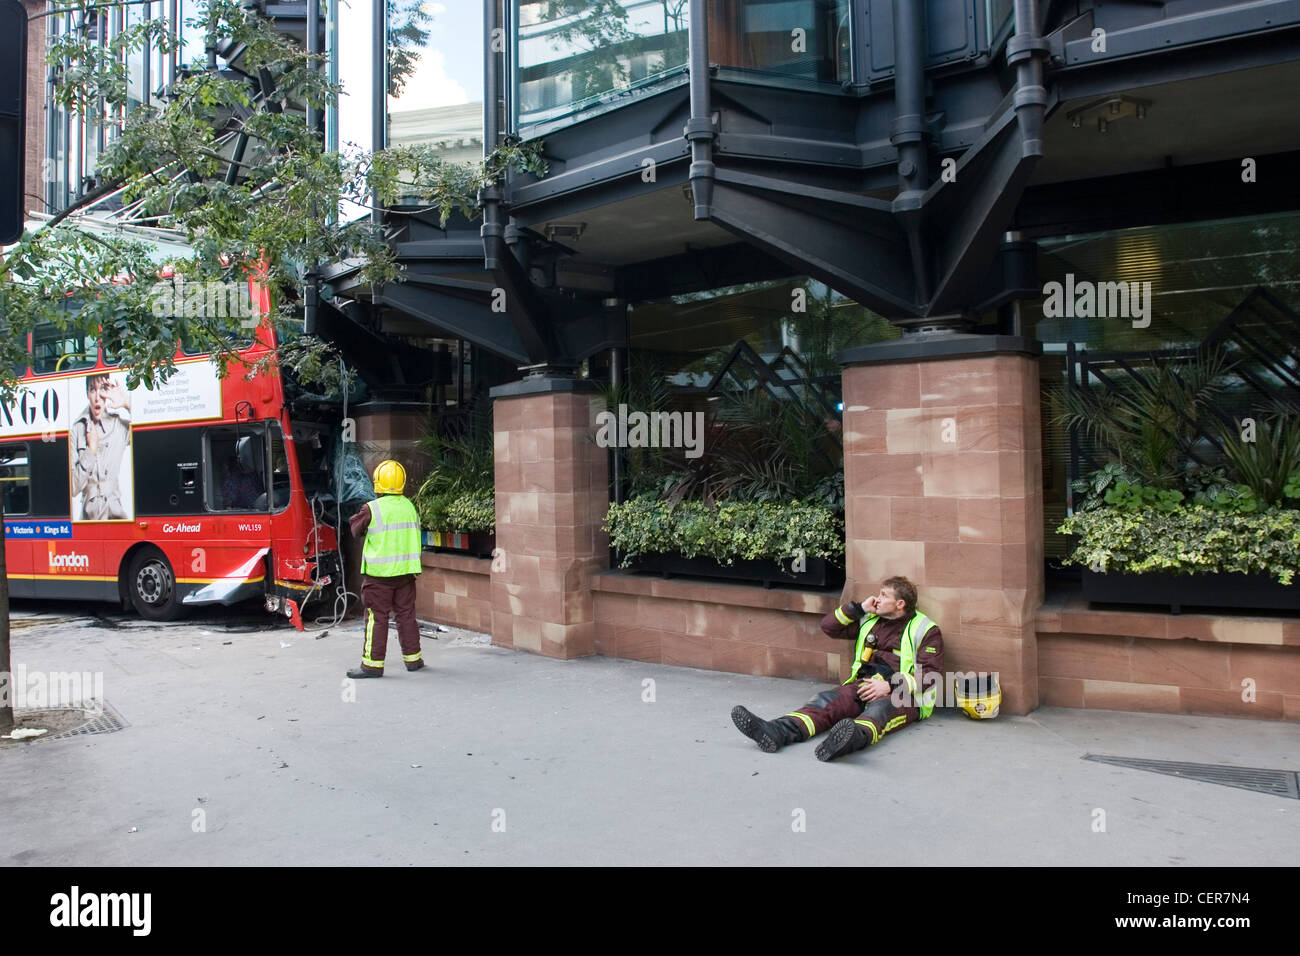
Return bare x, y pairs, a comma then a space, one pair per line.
1280, 783
110, 721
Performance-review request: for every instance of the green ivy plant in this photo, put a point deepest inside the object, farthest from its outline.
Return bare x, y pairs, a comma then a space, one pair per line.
1187, 540
732, 530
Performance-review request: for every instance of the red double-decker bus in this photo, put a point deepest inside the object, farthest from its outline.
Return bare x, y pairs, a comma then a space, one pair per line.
184, 495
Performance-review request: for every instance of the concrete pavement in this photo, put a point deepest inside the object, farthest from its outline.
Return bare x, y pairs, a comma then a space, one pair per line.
241, 749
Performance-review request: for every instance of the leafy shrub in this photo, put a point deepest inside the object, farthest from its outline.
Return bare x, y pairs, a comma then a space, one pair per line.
1268, 463
1187, 540
1128, 497
475, 511
742, 529
1093, 488
450, 511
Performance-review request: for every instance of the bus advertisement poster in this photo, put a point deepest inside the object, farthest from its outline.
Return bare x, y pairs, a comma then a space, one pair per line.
99, 451
44, 406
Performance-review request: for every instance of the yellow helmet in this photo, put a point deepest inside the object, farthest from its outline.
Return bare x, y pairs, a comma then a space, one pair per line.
979, 696
390, 478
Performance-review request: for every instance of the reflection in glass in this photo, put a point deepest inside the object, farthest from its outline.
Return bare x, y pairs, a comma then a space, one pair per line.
807, 39
435, 77
575, 54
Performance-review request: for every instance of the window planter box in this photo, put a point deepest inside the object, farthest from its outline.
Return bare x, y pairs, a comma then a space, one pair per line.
1253, 591
818, 573
481, 544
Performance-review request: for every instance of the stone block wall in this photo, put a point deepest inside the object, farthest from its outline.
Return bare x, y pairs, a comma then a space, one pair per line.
744, 629
456, 590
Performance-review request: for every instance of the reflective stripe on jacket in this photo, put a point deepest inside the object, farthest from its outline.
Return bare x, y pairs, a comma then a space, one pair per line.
392, 538
913, 634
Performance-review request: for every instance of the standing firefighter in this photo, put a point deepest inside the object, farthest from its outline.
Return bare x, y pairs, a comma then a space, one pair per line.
389, 564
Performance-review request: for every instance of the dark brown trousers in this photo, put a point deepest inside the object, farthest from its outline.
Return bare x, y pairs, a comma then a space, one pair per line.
384, 597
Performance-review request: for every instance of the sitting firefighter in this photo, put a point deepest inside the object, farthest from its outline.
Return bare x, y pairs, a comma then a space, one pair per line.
897, 668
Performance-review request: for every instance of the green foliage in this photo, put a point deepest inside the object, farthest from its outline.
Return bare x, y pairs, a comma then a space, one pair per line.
1187, 540
1267, 464
1093, 488
646, 390
474, 511
273, 207
1292, 487
458, 494
1146, 422
758, 448
732, 530
1127, 497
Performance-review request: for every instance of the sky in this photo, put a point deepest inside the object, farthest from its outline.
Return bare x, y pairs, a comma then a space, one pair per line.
450, 70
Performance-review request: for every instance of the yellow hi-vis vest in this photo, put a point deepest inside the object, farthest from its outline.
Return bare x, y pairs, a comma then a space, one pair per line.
392, 538
917, 628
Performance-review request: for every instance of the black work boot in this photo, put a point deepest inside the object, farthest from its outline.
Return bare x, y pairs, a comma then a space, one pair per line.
770, 735
844, 738
363, 671
415, 665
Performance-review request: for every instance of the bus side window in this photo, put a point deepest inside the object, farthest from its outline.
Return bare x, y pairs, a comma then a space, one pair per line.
16, 479
235, 468
280, 481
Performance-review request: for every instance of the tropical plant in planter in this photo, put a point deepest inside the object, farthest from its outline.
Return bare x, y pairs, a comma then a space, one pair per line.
1148, 422
1235, 543
456, 502
765, 499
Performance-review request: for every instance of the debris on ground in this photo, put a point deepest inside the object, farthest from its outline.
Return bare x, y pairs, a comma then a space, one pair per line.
21, 733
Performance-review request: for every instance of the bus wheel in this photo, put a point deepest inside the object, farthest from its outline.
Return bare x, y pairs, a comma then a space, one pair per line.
152, 586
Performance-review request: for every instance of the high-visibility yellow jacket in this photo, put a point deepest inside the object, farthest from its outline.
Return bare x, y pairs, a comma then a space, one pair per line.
392, 538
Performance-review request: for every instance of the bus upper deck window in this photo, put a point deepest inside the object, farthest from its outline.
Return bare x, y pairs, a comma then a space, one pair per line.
15, 479
56, 350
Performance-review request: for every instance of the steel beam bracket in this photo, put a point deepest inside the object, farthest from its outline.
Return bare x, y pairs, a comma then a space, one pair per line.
1022, 46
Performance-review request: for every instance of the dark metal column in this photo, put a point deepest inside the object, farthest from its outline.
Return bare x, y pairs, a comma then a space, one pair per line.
311, 294
1026, 50
490, 198
379, 91
909, 132
699, 128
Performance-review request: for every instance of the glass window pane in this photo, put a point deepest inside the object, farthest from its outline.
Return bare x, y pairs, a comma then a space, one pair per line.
235, 468
435, 79
15, 479
56, 350
572, 55
804, 39
280, 482
192, 35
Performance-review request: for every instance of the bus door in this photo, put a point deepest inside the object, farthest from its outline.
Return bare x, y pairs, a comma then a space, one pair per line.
15, 487
237, 538
290, 517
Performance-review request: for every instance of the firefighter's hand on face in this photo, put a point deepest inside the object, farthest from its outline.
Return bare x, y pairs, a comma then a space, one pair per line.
874, 689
